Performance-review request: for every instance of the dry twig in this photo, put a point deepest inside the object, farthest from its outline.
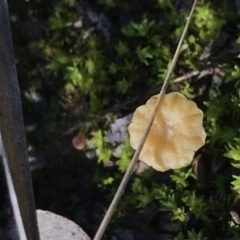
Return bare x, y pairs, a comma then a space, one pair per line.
132, 164
200, 74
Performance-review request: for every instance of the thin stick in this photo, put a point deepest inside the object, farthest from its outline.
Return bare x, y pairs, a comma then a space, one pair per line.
129, 171
12, 194
186, 76
201, 74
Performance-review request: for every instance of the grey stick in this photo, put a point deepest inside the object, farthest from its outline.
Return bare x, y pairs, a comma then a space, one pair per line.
12, 128
12, 194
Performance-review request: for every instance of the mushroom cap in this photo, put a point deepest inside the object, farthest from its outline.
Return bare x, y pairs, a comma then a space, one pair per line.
79, 141
175, 135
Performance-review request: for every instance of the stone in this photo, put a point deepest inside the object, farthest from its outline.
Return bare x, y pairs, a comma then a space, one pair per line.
55, 227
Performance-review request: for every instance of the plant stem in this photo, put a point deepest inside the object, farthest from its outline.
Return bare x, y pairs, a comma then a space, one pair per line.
129, 171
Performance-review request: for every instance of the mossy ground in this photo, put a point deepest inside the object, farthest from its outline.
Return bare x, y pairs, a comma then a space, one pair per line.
81, 65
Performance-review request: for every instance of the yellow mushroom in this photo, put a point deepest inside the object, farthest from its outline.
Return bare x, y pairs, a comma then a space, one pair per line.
176, 134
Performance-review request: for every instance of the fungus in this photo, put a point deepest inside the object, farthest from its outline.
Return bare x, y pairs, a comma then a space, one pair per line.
175, 135
79, 141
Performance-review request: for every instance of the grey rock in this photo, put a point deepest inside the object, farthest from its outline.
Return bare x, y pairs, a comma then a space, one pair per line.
140, 218
55, 227
51, 227
122, 234
118, 130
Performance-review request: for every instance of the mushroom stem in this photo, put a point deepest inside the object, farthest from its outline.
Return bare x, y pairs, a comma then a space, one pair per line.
131, 166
